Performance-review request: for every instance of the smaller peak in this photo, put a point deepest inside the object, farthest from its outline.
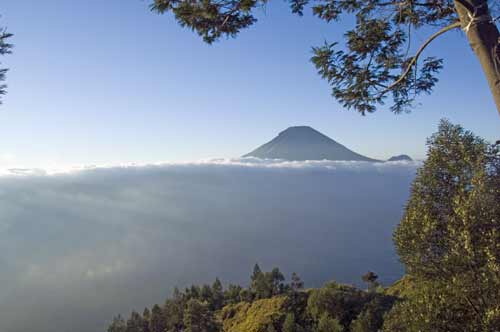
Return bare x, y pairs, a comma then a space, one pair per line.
401, 157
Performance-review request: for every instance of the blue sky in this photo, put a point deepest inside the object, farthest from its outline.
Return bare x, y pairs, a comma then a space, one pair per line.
96, 81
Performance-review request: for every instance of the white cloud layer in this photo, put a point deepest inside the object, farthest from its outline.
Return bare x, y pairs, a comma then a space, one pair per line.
78, 245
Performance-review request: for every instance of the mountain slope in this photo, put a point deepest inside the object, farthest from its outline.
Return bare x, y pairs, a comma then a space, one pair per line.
305, 143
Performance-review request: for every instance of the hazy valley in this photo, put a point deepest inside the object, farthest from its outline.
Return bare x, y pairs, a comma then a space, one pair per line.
79, 247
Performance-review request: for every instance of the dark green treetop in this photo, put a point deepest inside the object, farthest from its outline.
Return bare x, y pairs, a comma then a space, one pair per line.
198, 317
296, 282
217, 294
146, 318
370, 278
257, 272
118, 325
157, 322
135, 323
232, 294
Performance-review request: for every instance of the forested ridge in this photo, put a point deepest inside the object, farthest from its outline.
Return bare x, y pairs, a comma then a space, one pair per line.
448, 240
267, 304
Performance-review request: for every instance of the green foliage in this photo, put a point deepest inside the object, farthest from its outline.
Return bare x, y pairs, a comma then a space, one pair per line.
271, 328
267, 284
135, 323
402, 288
195, 308
118, 325
373, 66
257, 272
174, 312
217, 295
449, 237
432, 306
198, 317
206, 293
355, 310
342, 302
5, 48
246, 295
361, 77
297, 301
372, 317
258, 316
157, 321
328, 324
290, 325
297, 283
232, 294
451, 220
146, 318
211, 19
371, 279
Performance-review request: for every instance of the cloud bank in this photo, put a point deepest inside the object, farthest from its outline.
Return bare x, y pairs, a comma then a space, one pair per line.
79, 245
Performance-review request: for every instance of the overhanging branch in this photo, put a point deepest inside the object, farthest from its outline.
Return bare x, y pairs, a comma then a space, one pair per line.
419, 52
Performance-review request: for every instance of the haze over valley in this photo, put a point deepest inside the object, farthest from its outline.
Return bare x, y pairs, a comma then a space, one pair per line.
78, 247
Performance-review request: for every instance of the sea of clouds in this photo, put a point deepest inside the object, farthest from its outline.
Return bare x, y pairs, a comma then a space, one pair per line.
80, 245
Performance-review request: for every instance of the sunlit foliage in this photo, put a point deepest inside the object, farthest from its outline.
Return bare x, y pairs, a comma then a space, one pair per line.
449, 237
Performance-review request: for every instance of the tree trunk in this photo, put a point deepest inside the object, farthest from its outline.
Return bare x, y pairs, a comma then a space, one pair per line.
484, 38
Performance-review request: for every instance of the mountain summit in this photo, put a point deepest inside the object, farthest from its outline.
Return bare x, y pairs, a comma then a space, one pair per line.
305, 143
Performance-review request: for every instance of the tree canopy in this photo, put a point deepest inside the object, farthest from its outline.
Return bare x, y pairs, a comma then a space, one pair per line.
375, 63
449, 237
